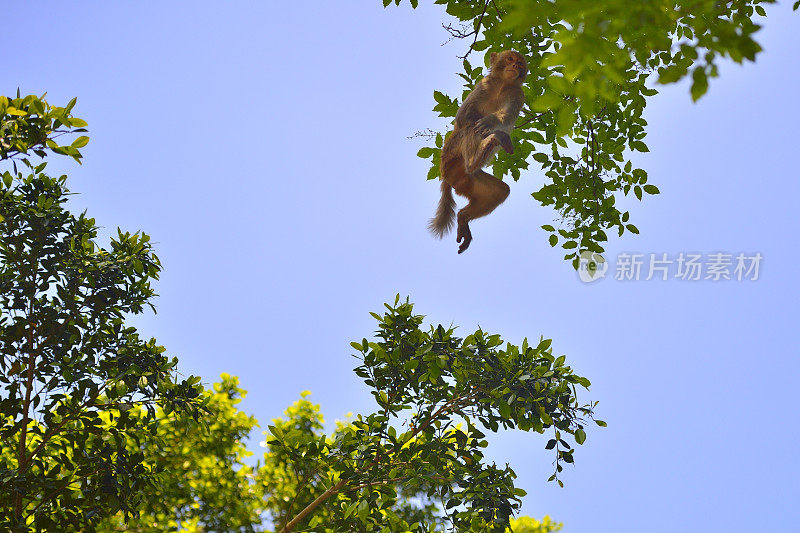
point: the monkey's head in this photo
(509, 65)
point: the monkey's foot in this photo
(463, 234)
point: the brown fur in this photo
(482, 126)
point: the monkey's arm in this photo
(504, 118)
(469, 113)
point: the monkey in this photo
(481, 128)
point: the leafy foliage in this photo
(203, 483)
(71, 370)
(436, 394)
(592, 65)
(526, 524)
(30, 124)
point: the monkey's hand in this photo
(487, 125)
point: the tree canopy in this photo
(435, 394)
(71, 368)
(207, 485)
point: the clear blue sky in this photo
(263, 146)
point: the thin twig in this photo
(22, 460)
(531, 119)
(426, 134)
(477, 30)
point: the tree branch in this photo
(335, 489)
(477, 30)
(23, 438)
(313, 505)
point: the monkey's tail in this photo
(442, 221)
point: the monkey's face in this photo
(511, 65)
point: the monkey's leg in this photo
(487, 193)
(454, 173)
(488, 147)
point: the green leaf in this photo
(699, 83)
(600, 423)
(651, 189)
(544, 344)
(565, 119)
(80, 142)
(363, 510)
(549, 100)
(559, 84)
(504, 409)
(425, 152)
(580, 436)
(672, 73)
(553, 240)
(38, 107)
(483, 44)
(440, 97)
(433, 172)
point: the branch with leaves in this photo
(436, 396)
(31, 125)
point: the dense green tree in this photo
(71, 369)
(204, 482)
(435, 396)
(593, 66)
(206, 485)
